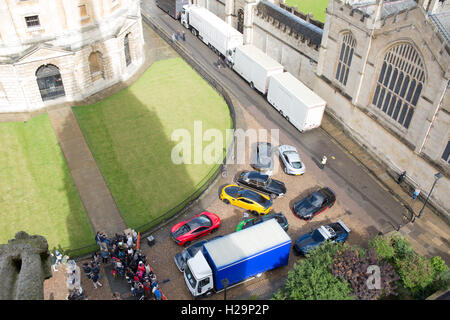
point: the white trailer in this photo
(254, 66)
(295, 101)
(212, 30)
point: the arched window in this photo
(49, 82)
(400, 83)
(96, 65)
(126, 48)
(345, 58)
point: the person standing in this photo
(416, 194)
(183, 36)
(173, 37)
(324, 161)
(401, 177)
(95, 278)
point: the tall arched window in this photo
(345, 58)
(96, 65)
(126, 48)
(49, 82)
(400, 83)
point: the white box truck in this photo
(295, 101)
(254, 66)
(213, 31)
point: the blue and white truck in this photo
(237, 257)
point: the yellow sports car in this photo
(250, 200)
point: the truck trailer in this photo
(213, 31)
(237, 257)
(172, 7)
(295, 101)
(254, 66)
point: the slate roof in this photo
(390, 7)
(442, 22)
(296, 24)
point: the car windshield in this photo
(317, 236)
(296, 165)
(200, 221)
(316, 199)
(182, 230)
(190, 277)
(192, 250)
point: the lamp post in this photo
(437, 176)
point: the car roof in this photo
(252, 195)
(255, 175)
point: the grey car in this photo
(291, 160)
(262, 157)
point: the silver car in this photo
(261, 158)
(291, 160)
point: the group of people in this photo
(178, 36)
(127, 261)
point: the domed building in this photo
(55, 51)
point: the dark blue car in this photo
(310, 206)
(335, 232)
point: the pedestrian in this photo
(105, 255)
(87, 270)
(173, 37)
(245, 216)
(95, 278)
(116, 296)
(416, 194)
(401, 177)
(178, 35)
(324, 161)
(184, 36)
(157, 293)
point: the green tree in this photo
(312, 279)
(415, 271)
(382, 247)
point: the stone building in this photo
(382, 66)
(384, 70)
(54, 51)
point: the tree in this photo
(369, 277)
(382, 247)
(311, 278)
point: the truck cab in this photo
(230, 57)
(198, 276)
(184, 17)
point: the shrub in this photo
(415, 271)
(311, 278)
(382, 247)
(357, 269)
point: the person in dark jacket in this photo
(87, 270)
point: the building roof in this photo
(390, 7)
(296, 24)
(442, 22)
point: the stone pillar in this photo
(249, 13)
(229, 11)
(24, 265)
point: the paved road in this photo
(355, 188)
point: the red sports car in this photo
(200, 225)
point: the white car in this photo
(291, 160)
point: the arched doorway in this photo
(50, 82)
(96, 66)
(126, 47)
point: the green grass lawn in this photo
(129, 134)
(37, 193)
(316, 7)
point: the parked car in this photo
(262, 182)
(250, 200)
(199, 226)
(182, 257)
(244, 224)
(335, 232)
(291, 160)
(315, 203)
(261, 158)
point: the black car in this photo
(262, 157)
(281, 219)
(315, 203)
(262, 182)
(182, 257)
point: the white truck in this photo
(213, 31)
(295, 101)
(254, 66)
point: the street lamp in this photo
(437, 176)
